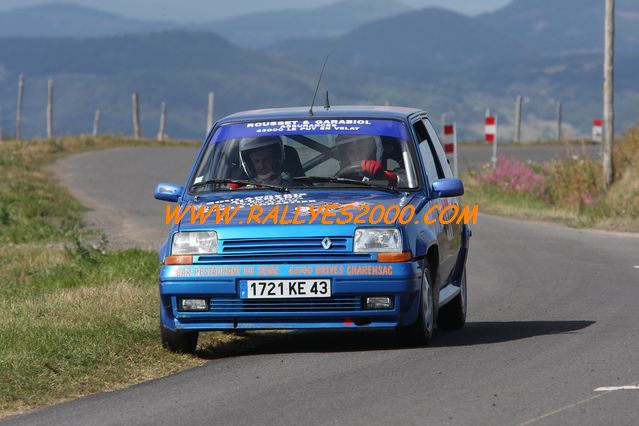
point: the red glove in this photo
(373, 169)
(392, 178)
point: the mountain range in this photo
(59, 20)
(545, 50)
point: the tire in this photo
(421, 331)
(452, 316)
(183, 342)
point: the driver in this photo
(262, 160)
(363, 150)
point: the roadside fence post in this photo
(162, 132)
(19, 109)
(96, 122)
(210, 110)
(135, 100)
(49, 109)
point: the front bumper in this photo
(350, 283)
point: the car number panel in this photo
(285, 288)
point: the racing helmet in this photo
(272, 143)
(369, 147)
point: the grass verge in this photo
(77, 318)
(567, 191)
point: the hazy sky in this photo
(207, 10)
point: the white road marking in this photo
(636, 266)
(614, 388)
(559, 410)
(603, 390)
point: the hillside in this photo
(566, 26)
(182, 68)
(418, 44)
(177, 67)
(70, 20)
(264, 28)
(252, 29)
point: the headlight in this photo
(194, 243)
(379, 240)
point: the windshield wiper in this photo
(240, 182)
(330, 179)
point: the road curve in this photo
(553, 316)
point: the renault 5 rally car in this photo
(314, 221)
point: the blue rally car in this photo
(255, 269)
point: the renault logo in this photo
(327, 243)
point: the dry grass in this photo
(76, 318)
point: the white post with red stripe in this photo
(597, 129)
(450, 143)
(490, 135)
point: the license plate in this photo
(284, 289)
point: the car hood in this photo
(287, 205)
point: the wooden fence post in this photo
(559, 114)
(162, 132)
(96, 122)
(135, 100)
(49, 109)
(19, 110)
(209, 114)
(518, 119)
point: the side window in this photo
(425, 151)
(439, 151)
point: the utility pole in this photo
(162, 132)
(609, 88)
(135, 101)
(209, 114)
(49, 109)
(19, 110)
(518, 119)
(558, 121)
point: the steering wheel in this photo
(354, 171)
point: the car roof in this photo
(319, 112)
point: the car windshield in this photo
(354, 153)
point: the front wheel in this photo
(179, 341)
(452, 316)
(421, 331)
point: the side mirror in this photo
(168, 192)
(448, 188)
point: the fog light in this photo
(378, 302)
(193, 305)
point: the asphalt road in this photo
(552, 316)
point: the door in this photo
(433, 172)
(453, 230)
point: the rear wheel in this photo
(421, 331)
(179, 341)
(452, 316)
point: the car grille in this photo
(333, 304)
(311, 245)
